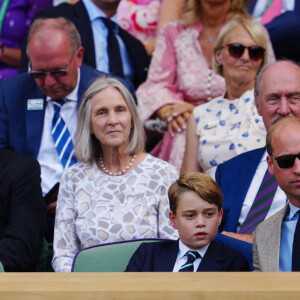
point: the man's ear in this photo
(79, 56)
(172, 218)
(270, 165)
(257, 104)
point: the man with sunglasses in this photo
(28, 101)
(242, 178)
(276, 242)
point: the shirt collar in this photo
(183, 249)
(292, 211)
(264, 157)
(95, 12)
(73, 96)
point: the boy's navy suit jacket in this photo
(161, 257)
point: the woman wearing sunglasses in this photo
(229, 125)
(180, 76)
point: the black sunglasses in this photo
(54, 73)
(236, 50)
(286, 161)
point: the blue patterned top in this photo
(227, 128)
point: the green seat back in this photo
(1, 268)
(107, 257)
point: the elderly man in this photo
(276, 243)
(108, 47)
(36, 107)
(250, 193)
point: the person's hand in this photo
(243, 237)
(176, 115)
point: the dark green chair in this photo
(112, 257)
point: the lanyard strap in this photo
(2, 13)
(266, 6)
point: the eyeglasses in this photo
(286, 161)
(54, 73)
(237, 50)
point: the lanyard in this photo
(2, 13)
(266, 6)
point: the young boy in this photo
(196, 212)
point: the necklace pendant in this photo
(212, 39)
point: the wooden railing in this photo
(73, 286)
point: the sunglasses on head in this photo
(286, 161)
(236, 50)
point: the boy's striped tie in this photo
(189, 265)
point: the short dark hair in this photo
(202, 184)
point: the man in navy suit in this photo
(277, 94)
(22, 211)
(87, 16)
(27, 100)
(196, 212)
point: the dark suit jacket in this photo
(22, 211)
(77, 13)
(161, 257)
(284, 32)
(21, 129)
(234, 178)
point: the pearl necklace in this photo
(118, 173)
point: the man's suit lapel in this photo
(166, 257)
(33, 117)
(213, 259)
(83, 25)
(138, 56)
(271, 249)
(244, 178)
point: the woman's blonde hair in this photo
(256, 32)
(192, 12)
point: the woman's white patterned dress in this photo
(95, 208)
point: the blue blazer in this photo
(20, 128)
(161, 257)
(234, 178)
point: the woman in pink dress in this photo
(180, 75)
(143, 18)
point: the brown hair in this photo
(201, 184)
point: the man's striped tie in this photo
(261, 204)
(61, 136)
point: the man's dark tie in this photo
(296, 247)
(189, 265)
(113, 49)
